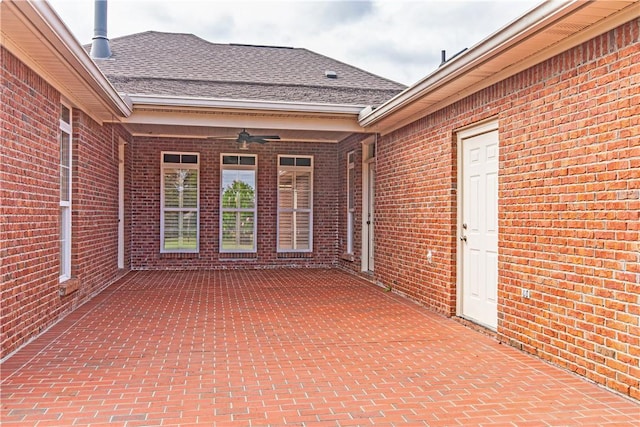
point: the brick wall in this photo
(415, 212)
(570, 203)
(351, 263)
(30, 203)
(146, 205)
(569, 189)
(30, 194)
(95, 203)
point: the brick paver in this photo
(283, 347)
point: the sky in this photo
(401, 40)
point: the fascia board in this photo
(482, 52)
(42, 17)
(181, 117)
(567, 43)
(169, 102)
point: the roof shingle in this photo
(171, 64)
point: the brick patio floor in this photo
(283, 347)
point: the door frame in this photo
(369, 147)
(121, 210)
(475, 129)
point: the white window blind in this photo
(65, 192)
(295, 204)
(180, 195)
(351, 176)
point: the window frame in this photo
(164, 209)
(294, 168)
(351, 203)
(65, 220)
(238, 166)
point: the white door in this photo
(121, 146)
(368, 205)
(478, 236)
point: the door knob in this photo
(463, 238)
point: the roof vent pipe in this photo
(100, 46)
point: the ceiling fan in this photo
(245, 138)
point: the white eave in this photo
(239, 104)
(547, 30)
(35, 34)
(172, 116)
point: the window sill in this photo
(179, 255)
(237, 256)
(294, 255)
(69, 286)
(348, 257)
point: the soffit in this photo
(36, 35)
(528, 41)
(306, 124)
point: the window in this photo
(180, 202)
(65, 193)
(238, 205)
(295, 204)
(351, 176)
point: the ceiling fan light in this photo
(244, 146)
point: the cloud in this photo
(397, 39)
(333, 13)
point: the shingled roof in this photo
(171, 64)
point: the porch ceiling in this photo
(231, 132)
(223, 119)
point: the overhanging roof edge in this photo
(240, 104)
(43, 16)
(490, 47)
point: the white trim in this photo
(65, 212)
(488, 48)
(241, 104)
(369, 147)
(496, 46)
(351, 209)
(191, 166)
(295, 209)
(253, 168)
(46, 25)
(478, 128)
(121, 210)
(472, 130)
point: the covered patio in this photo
(282, 347)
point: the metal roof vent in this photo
(331, 74)
(100, 46)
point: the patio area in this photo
(283, 347)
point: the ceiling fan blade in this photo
(264, 137)
(235, 137)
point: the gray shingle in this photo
(171, 64)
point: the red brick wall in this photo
(415, 212)
(569, 225)
(95, 202)
(570, 203)
(30, 194)
(146, 205)
(352, 263)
